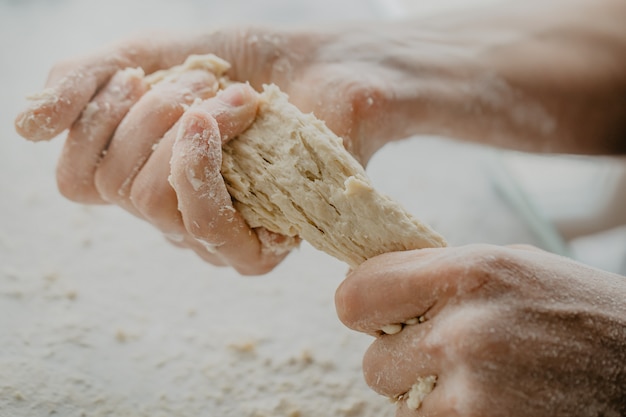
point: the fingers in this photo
(395, 287)
(89, 136)
(144, 125)
(72, 84)
(152, 194)
(388, 289)
(55, 108)
(460, 334)
(411, 368)
(426, 367)
(393, 363)
(203, 200)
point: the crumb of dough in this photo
(419, 391)
(51, 276)
(415, 320)
(210, 63)
(307, 357)
(276, 244)
(247, 347)
(121, 336)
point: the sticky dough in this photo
(290, 174)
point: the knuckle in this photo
(364, 104)
(486, 267)
(366, 99)
(470, 335)
(496, 258)
(266, 59)
(61, 68)
(446, 339)
(185, 87)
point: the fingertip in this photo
(196, 125)
(252, 270)
(387, 289)
(89, 135)
(238, 94)
(347, 303)
(36, 122)
(54, 109)
(200, 118)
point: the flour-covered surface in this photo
(99, 316)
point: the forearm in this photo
(542, 77)
(539, 76)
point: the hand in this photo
(167, 171)
(509, 331)
(195, 209)
(121, 132)
(322, 71)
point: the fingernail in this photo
(232, 95)
(392, 328)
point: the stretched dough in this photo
(291, 174)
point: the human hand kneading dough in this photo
(491, 331)
(121, 129)
(506, 331)
(198, 200)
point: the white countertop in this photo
(100, 316)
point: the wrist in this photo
(419, 83)
(404, 80)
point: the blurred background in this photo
(100, 316)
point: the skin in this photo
(509, 331)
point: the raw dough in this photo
(419, 391)
(292, 175)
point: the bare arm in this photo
(537, 76)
